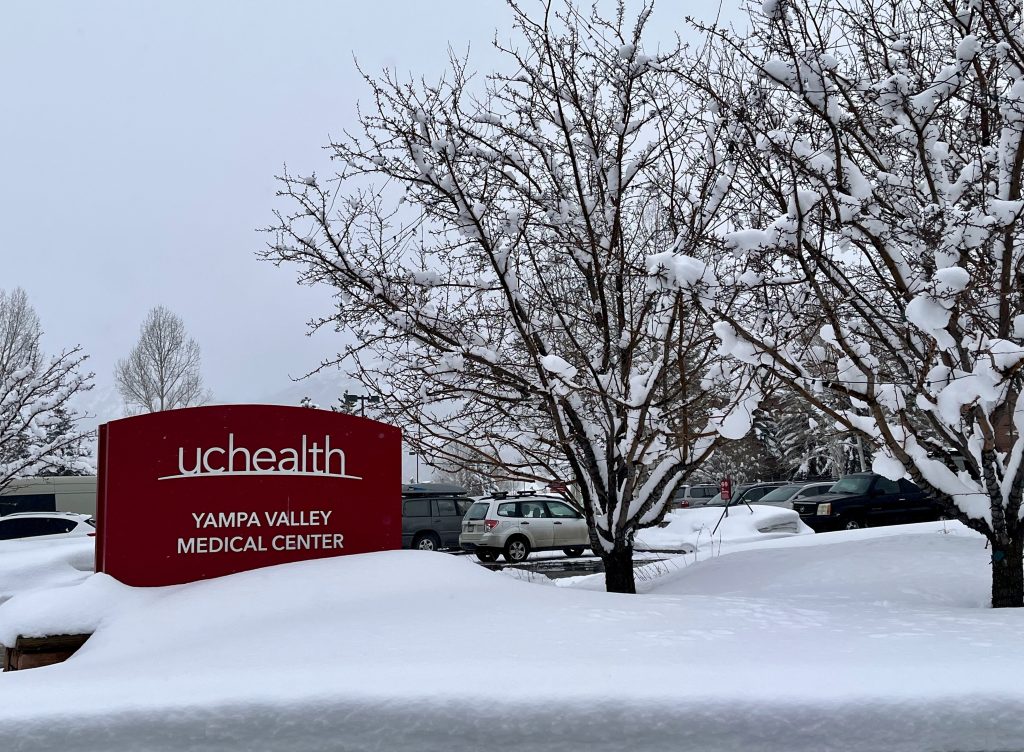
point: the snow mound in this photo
(804, 644)
(29, 565)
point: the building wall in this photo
(71, 493)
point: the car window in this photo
(26, 527)
(57, 525)
(703, 492)
(780, 494)
(417, 508)
(813, 490)
(446, 507)
(755, 493)
(478, 511)
(558, 509)
(887, 486)
(852, 484)
(907, 487)
(463, 505)
(508, 509)
(533, 509)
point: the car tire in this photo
(573, 551)
(854, 524)
(427, 542)
(487, 556)
(517, 550)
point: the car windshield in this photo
(478, 511)
(781, 494)
(852, 484)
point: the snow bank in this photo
(815, 642)
(28, 565)
(690, 529)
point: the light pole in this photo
(362, 399)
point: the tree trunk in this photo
(618, 570)
(1008, 572)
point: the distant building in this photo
(58, 493)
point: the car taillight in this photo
(491, 524)
(824, 509)
(684, 504)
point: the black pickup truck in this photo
(867, 500)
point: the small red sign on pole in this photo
(184, 495)
(726, 489)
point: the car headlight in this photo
(824, 509)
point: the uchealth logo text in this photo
(317, 458)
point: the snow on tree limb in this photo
(506, 302)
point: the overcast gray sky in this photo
(138, 146)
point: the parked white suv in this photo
(515, 526)
(45, 525)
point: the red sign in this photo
(726, 489)
(188, 494)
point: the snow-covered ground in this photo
(871, 640)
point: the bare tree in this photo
(38, 426)
(883, 147)
(519, 303)
(162, 372)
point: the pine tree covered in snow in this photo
(881, 147)
(521, 301)
(38, 427)
(811, 445)
(71, 452)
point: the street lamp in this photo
(362, 399)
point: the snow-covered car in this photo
(518, 525)
(689, 530)
(43, 525)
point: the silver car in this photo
(518, 525)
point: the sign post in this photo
(726, 489)
(201, 492)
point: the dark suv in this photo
(432, 515)
(866, 500)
